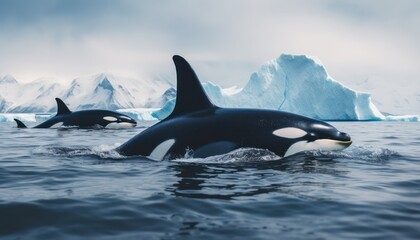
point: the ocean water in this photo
(69, 184)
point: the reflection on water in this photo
(225, 181)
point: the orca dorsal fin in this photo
(61, 107)
(190, 95)
(19, 123)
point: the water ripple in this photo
(55, 186)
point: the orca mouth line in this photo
(338, 142)
(345, 143)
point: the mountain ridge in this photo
(103, 91)
(293, 83)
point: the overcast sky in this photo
(224, 40)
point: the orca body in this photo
(197, 127)
(85, 119)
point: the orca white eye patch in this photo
(289, 132)
(111, 119)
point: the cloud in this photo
(225, 40)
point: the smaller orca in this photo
(84, 119)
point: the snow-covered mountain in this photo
(101, 91)
(106, 91)
(3, 104)
(7, 79)
(35, 97)
(8, 89)
(298, 84)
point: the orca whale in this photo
(198, 128)
(84, 119)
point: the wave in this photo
(101, 151)
(242, 155)
(253, 155)
(366, 153)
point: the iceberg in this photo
(403, 118)
(301, 85)
(140, 114)
(297, 84)
(165, 110)
(310, 91)
(25, 117)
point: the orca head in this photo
(313, 135)
(118, 121)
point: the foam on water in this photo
(242, 155)
(367, 153)
(253, 155)
(237, 156)
(101, 151)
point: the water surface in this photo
(69, 184)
